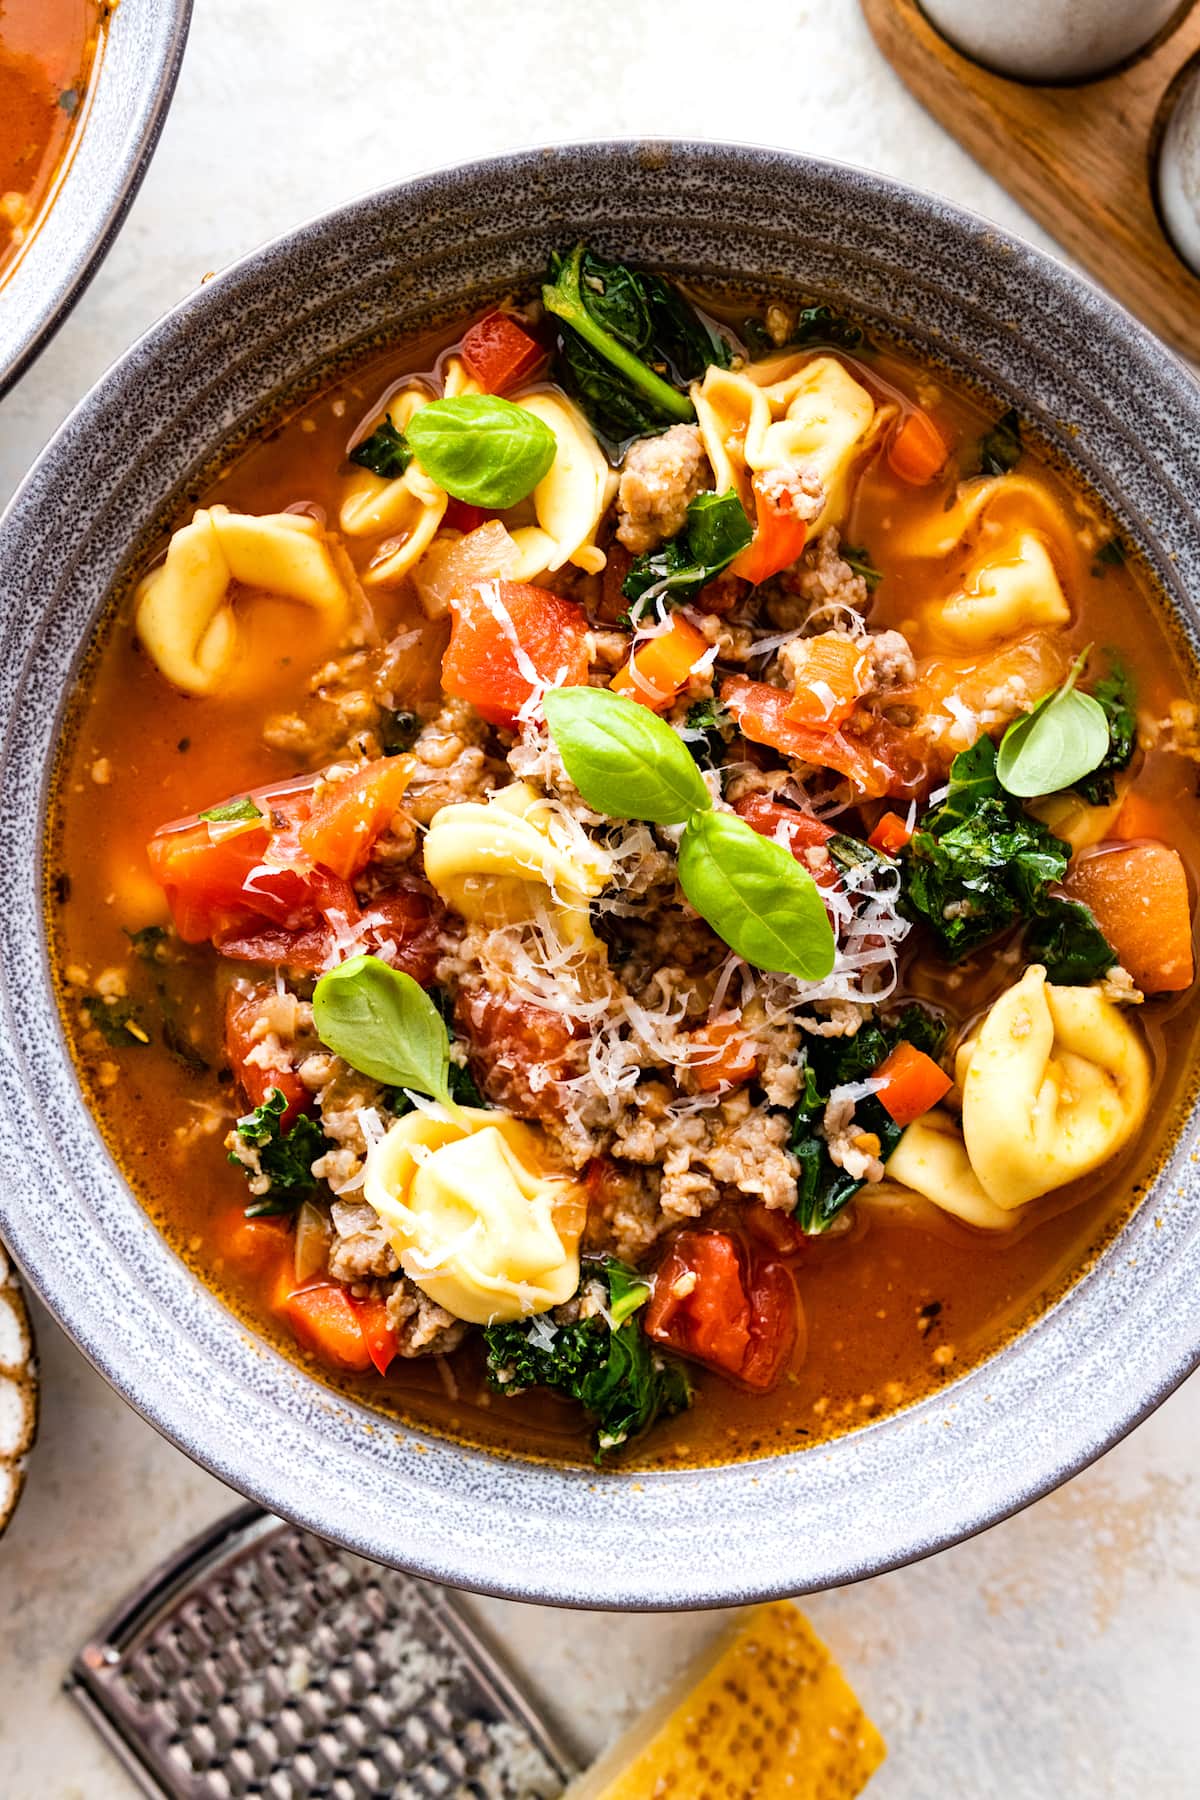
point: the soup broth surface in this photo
(47, 48)
(897, 1299)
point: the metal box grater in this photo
(265, 1662)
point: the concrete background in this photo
(1057, 1655)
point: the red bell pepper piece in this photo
(499, 353)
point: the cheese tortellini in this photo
(513, 858)
(476, 1215)
(574, 494)
(182, 609)
(406, 512)
(815, 417)
(1054, 1083)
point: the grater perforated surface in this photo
(265, 1663)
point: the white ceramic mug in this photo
(1179, 172)
(1049, 40)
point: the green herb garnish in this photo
(613, 1372)
(717, 530)
(1053, 747)
(1000, 449)
(386, 452)
(482, 449)
(1068, 942)
(859, 560)
(704, 733)
(624, 761)
(1115, 693)
(147, 942)
(117, 1021)
(285, 1156)
(386, 1026)
(232, 812)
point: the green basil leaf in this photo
(232, 811)
(482, 449)
(384, 1025)
(624, 761)
(756, 896)
(1063, 739)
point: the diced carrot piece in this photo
(918, 450)
(734, 1061)
(255, 1245)
(779, 532)
(912, 1083)
(660, 666)
(499, 353)
(348, 817)
(1139, 896)
(504, 631)
(325, 1321)
(830, 673)
(379, 1334)
(761, 712)
(1138, 818)
(890, 835)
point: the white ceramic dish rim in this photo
(1081, 1377)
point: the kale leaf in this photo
(385, 452)
(1000, 449)
(628, 343)
(117, 1021)
(1116, 695)
(717, 530)
(285, 1156)
(822, 1188)
(978, 863)
(612, 1371)
(1068, 941)
(817, 324)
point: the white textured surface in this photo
(1053, 1658)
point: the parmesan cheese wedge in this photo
(762, 1714)
(18, 1389)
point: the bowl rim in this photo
(1153, 1362)
(78, 258)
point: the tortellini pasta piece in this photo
(478, 1218)
(816, 417)
(1055, 1082)
(574, 494)
(1003, 595)
(514, 857)
(406, 511)
(931, 1159)
(182, 609)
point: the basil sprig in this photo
(384, 1025)
(482, 449)
(1063, 739)
(755, 895)
(624, 761)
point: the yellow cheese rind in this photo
(764, 1713)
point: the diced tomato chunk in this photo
(347, 817)
(708, 1304)
(518, 1050)
(502, 632)
(761, 712)
(326, 1321)
(912, 1083)
(379, 1334)
(799, 831)
(460, 516)
(257, 1080)
(500, 353)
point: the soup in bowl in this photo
(618, 884)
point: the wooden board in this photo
(1080, 159)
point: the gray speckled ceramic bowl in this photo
(131, 90)
(1099, 386)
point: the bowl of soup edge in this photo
(1104, 394)
(126, 104)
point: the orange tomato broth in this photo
(893, 1309)
(47, 49)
